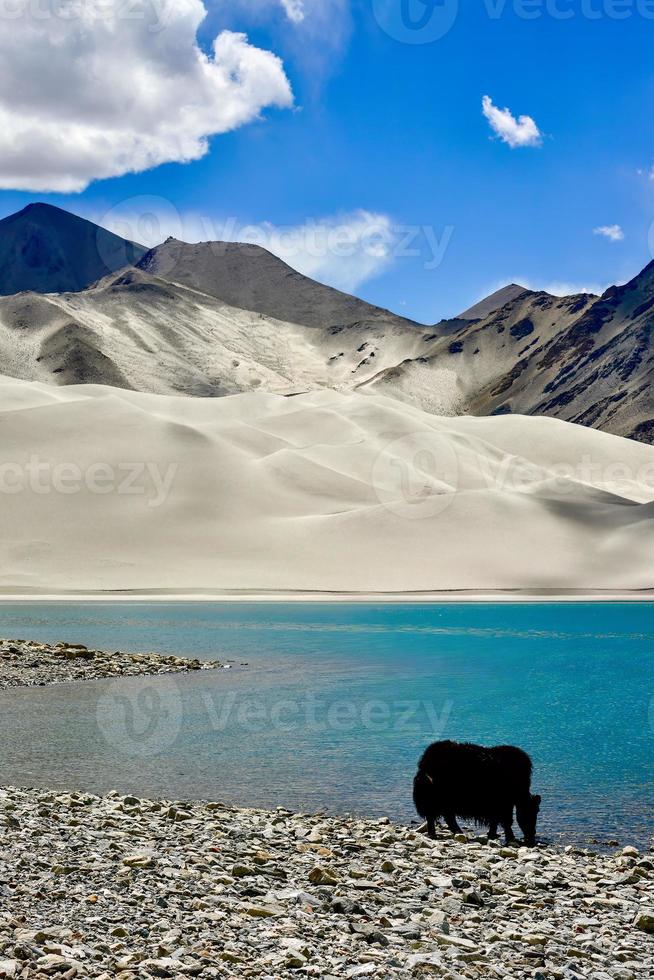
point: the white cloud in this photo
(558, 288)
(314, 33)
(100, 88)
(343, 250)
(294, 10)
(613, 232)
(515, 132)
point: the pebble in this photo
(645, 920)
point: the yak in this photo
(459, 779)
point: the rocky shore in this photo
(26, 663)
(122, 887)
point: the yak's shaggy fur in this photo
(459, 779)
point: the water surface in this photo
(338, 700)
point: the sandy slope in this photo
(494, 365)
(136, 331)
(324, 491)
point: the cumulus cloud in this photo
(343, 250)
(514, 132)
(614, 233)
(100, 88)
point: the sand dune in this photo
(104, 489)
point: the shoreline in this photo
(114, 885)
(391, 598)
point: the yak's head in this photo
(527, 815)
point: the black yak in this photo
(459, 779)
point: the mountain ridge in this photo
(250, 277)
(583, 359)
(489, 304)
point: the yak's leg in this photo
(431, 827)
(450, 820)
(492, 830)
(507, 827)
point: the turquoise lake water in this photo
(337, 701)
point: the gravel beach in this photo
(26, 663)
(121, 887)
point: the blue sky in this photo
(386, 141)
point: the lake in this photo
(328, 705)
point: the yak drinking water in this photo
(459, 779)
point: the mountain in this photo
(329, 492)
(46, 250)
(251, 278)
(493, 302)
(134, 330)
(220, 319)
(584, 359)
(476, 369)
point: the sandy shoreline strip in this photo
(435, 598)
